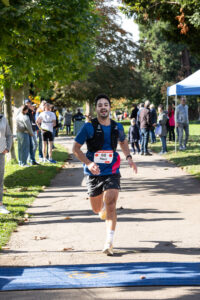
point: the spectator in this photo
(153, 115)
(33, 139)
(5, 146)
(78, 116)
(140, 107)
(39, 134)
(67, 121)
(145, 125)
(55, 128)
(182, 120)
(24, 130)
(78, 121)
(134, 112)
(134, 136)
(162, 120)
(171, 123)
(46, 121)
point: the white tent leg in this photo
(175, 124)
(167, 103)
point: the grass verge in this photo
(189, 159)
(21, 186)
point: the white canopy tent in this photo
(188, 86)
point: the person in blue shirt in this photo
(102, 163)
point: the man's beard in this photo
(102, 116)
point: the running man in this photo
(102, 163)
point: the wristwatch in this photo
(128, 156)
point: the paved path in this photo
(158, 220)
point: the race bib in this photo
(103, 157)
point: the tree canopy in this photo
(46, 40)
(183, 16)
(115, 70)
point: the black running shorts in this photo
(47, 136)
(98, 184)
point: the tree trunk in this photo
(89, 108)
(185, 63)
(8, 114)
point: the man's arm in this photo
(126, 151)
(54, 123)
(94, 168)
(38, 122)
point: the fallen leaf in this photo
(38, 238)
(67, 249)
(21, 222)
(67, 218)
(40, 171)
(142, 277)
(49, 262)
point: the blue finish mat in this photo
(101, 275)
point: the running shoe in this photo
(108, 250)
(3, 210)
(102, 213)
(52, 161)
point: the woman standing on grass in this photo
(5, 146)
(162, 120)
(24, 130)
(171, 123)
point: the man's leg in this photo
(147, 140)
(142, 141)
(25, 149)
(50, 149)
(2, 167)
(97, 203)
(31, 155)
(44, 150)
(146, 137)
(186, 129)
(180, 135)
(110, 199)
(19, 142)
(40, 144)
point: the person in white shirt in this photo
(46, 121)
(5, 146)
(182, 123)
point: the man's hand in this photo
(5, 151)
(177, 124)
(132, 165)
(94, 168)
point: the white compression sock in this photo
(110, 237)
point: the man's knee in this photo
(110, 199)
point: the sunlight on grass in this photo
(21, 186)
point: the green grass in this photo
(21, 186)
(189, 160)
